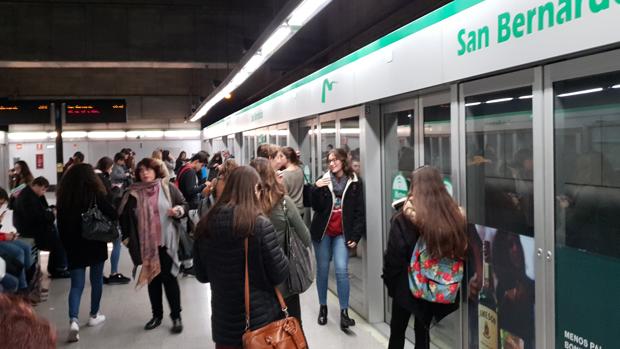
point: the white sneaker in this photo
(74, 332)
(94, 321)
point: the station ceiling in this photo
(175, 49)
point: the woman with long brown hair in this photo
(429, 213)
(79, 190)
(283, 214)
(293, 177)
(224, 172)
(337, 225)
(219, 259)
(151, 210)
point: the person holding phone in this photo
(338, 224)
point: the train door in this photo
(341, 129)
(582, 201)
(504, 277)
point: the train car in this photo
(518, 104)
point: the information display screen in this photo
(95, 111)
(24, 112)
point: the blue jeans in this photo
(78, 278)
(23, 253)
(116, 255)
(9, 283)
(326, 249)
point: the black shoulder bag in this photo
(96, 226)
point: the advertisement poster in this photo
(39, 161)
(501, 290)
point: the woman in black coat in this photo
(338, 225)
(428, 213)
(219, 259)
(80, 189)
(150, 216)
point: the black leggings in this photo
(398, 326)
(171, 286)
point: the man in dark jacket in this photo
(34, 219)
(187, 179)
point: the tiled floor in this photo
(128, 309)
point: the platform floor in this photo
(127, 310)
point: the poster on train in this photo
(500, 290)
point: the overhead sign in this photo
(95, 111)
(24, 112)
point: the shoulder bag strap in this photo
(247, 288)
(247, 292)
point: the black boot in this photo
(177, 325)
(345, 320)
(322, 315)
(153, 323)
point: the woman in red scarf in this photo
(150, 214)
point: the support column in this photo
(58, 111)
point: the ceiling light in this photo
(616, 86)
(27, 136)
(106, 134)
(145, 134)
(298, 17)
(306, 10)
(472, 104)
(349, 131)
(499, 100)
(228, 96)
(74, 134)
(582, 92)
(254, 63)
(275, 40)
(526, 97)
(182, 134)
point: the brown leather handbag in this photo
(281, 334)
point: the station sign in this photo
(24, 112)
(95, 111)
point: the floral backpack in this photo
(434, 280)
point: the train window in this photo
(437, 140)
(500, 208)
(350, 140)
(328, 141)
(587, 163)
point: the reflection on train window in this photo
(328, 141)
(350, 141)
(437, 138)
(499, 160)
(587, 163)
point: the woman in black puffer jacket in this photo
(219, 259)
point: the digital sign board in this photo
(95, 111)
(24, 112)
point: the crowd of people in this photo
(225, 223)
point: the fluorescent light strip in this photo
(473, 104)
(582, 92)
(182, 134)
(499, 100)
(306, 10)
(28, 136)
(74, 134)
(526, 97)
(616, 86)
(275, 41)
(145, 134)
(298, 17)
(106, 134)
